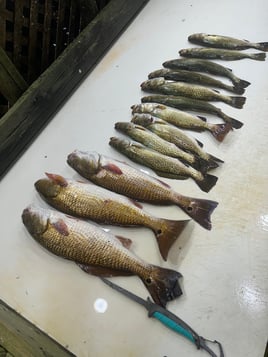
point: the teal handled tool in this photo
(169, 319)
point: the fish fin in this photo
(202, 118)
(163, 183)
(219, 131)
(170, 175)
(237, 89)
(241, 83)
(200, 211)
(113, 168)
(61, 227)
(160, 106)
(237, 102)
(199, 143)
(207, 183)
(167, 233)
(214, 158)
(263, 46)
(236, 123)
(136, 203)
(203, 165)
(163, 285)
(216, 91)
(126, 242)
(258, 56)
(59, 180)
(102, 271)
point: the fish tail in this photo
(258, 56)
(163, 285)
(263, 46)
(240, 83)
(237, 89)
(207, 182)
(203, 165)
(199, 210)
(167, 233)
(219, 131)
(214, 158)
(237, 102)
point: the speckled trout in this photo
(98, 252)
(180, 118)
(174, 135)
(221, 54)
(85, 200)
(154, 142)
(193, 77)
(162, 165)
(162, 86)
(122, 178)
(203, 65)
(197, 105)
(226, 42)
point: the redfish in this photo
(136, 184)
(85, 200)
(98, 252)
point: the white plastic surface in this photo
(225, 271)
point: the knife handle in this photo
(175, 326)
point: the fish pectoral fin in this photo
(126, 242)
(102, 271)
(113, 168)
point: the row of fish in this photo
(112, 197)
(116, 189)
(183, 85)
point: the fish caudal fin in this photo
(241, 83)
(237, 102)
(237, 89)
(219, 131)
(236, 123)
(263, 46)
(207, 183)
(204, 166)
(167, 233)
(200, 211)
(258, 56)
(163, 285)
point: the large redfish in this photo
(89, 201)
(98, 252)
(129, 181)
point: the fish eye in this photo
(189, 208)
(159, 231)
(148, 281)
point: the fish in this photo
(226, 42)
(125, 179)
(222, 54)
(98, 252)
(206, 66)
(162, 86)
(184, 103)
(193, 77)
(88, 201)
(182, 119)
(154, 142)
(176, 136)
(162, 165)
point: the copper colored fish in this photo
(129, 181)
(89, 201)
(98, 252)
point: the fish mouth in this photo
(35, 220)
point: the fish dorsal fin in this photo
(202, 118)
(61, 227)
(113, 168)
(199, 143)
(126, 242)
(59, 180)
(102, 271)
(217, 91)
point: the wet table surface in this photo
(225, 270)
